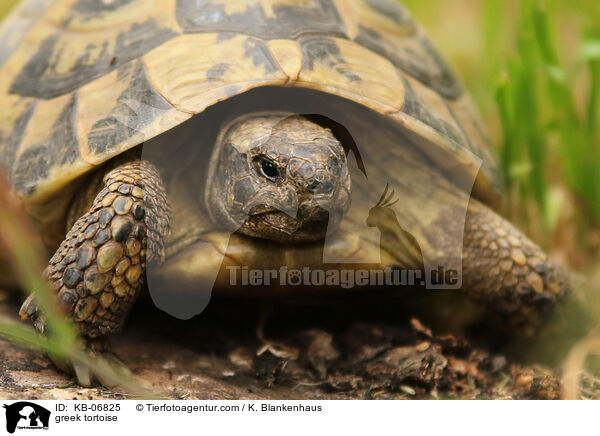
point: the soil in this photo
(333, 351)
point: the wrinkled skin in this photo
(279, 177)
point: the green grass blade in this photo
(508, 151)
(23, 251)
(591, 54)
(25, 258)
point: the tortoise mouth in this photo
(264, 209)
(273, 224)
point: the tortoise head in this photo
(278, 176)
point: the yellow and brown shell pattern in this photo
(83, 80)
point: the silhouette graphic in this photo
(394, 239)
(30, 413)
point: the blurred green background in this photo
(6, 6)
(533, 67)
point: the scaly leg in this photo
(507, 271)
(98, 270)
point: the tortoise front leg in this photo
(98, 270)
(507, 271)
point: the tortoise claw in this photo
(82, 373)
(91, 366)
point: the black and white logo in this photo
(26, 415)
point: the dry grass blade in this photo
(574, 368)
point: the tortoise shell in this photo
(71, 72)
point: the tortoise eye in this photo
(268, 168)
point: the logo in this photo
(26, 415)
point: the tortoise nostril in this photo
(313, 186)
(320, 187)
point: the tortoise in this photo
(193, 138)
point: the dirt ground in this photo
(333, 351)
